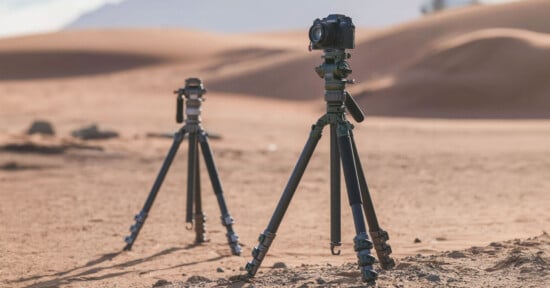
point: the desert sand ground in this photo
(465, 178)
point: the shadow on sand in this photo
(65, 277)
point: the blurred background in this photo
(409, 53)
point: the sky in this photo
(34, 16)
(19, 17)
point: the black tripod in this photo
(334, 70)
(193, 92)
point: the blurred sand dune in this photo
(493, 73)
(478, 62)
(489, 62)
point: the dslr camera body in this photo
(336, 31)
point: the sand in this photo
(462, 184)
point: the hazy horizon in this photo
(55, 15)
(213, 15)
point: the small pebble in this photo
(280, 265)
(161, 283)
(433, 278)
(457, 254)
(198, 279)
(320, 281)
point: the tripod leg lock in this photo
(380, 235)
(200, 228)
(140, 217)
(365, 258)
(134, 229)
(259, 252)
(227, 220)
(233, 241)
(383, 249)
(232, 237)
(363, 245)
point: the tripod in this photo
(342, 148)
(193, 93)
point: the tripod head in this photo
(334, 70)
(334, 34)
(193, 93)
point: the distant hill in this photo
(243, 15)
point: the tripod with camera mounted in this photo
(334, 34)
(193, 96)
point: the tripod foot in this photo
(259, 252)
(333, 246)
(189, 226)
(232, 237)
(362, 245)
(134, 229)
(383, 249)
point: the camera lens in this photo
(317, 33)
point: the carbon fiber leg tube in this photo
(200, 217)
(226, 218)
(191, 175)
(266, 238)
(362, 245)
(379, 236)
(142, 215)
(335, 203)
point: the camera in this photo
(333, 32)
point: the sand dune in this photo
(94, 52)
(395, 48)
(167, 43)
(474, 62)
(493, 73)
(84, 52)
(400, 70)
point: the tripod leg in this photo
(226, 218)
(362, 245)
(379, 236)
(200, 217)
(142, 215)
(191, 176)
(335, 206)
(266, 238)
